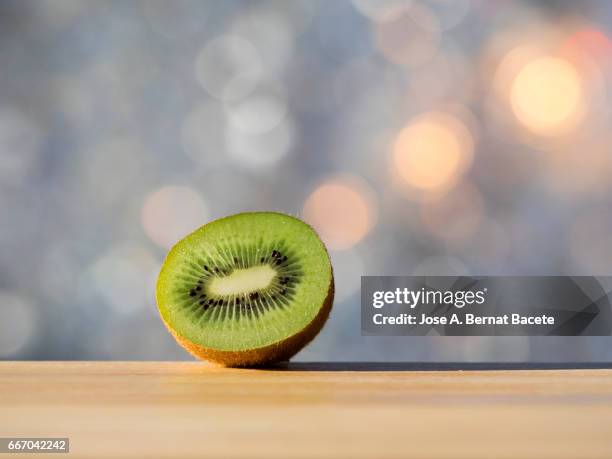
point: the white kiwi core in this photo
(241, 281)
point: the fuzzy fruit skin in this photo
(273, 353)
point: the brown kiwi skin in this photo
(263, 356)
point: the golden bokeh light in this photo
(342, 210)
(172, 212)
(432, 152)
(591, 41)
(547, 96)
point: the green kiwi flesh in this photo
(248, 289)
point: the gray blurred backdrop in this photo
(418, 137)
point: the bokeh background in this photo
(418, 137)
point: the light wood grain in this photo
(164, 409)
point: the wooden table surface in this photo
(191, 409)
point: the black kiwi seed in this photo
(216, 270)
(202, 303)
(262, 260)
(206, 267)
(198, 288)
(285, 258)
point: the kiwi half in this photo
(245, 290)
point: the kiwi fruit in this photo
(250, 289)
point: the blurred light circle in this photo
(257, 114)
(172, 212)
(19, 147)
(18, 324)
(259, 151)
(342, 210)
(547, 96)
(510, 59)
(589, 40)
(271, 31)
(432, 152)
(381, 10)
(121, 276)
(404, 42)
(229, 67)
